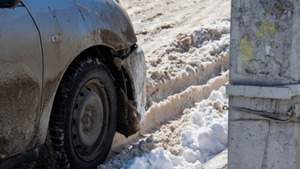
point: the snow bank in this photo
(174, 105)
(192, 59)
(189, 142)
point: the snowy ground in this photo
(186, 44)
(187, 142)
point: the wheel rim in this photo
(90, 120)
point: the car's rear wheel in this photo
(83, 119)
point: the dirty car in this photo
(71, 75)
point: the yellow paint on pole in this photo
(246, 53)
(246, 48)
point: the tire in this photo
(84, 115)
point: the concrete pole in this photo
(264, 90)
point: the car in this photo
(71, 76)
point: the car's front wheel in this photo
(83, 119)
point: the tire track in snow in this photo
(192, 59)
(172, 107)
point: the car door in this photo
(21, 73)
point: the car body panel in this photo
(20, 81)
(133, 110)
(78, 26)
(135, 64)
(111, 23)
(58, 54)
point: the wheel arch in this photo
(123, 82)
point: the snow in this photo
(184, 62)
(186, 45)
(188, 142)
(155, 159)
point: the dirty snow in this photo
(188, 142)
(186, 45)
(188, 60)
